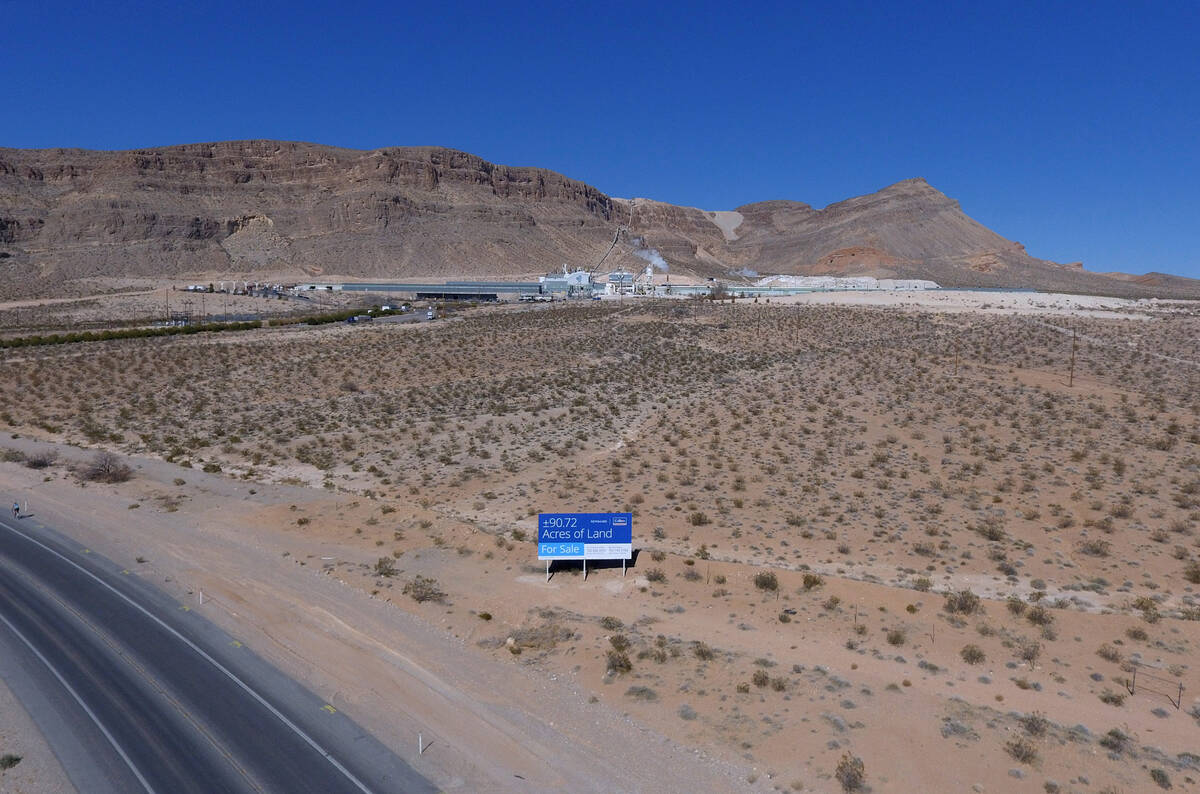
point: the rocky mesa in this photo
(271, 210)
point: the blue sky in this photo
(1071, 127)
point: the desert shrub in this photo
(1035, 724)
(1136, 633)
(812, 580)
(963, 602)
(766, 580)
(617, 662)
(609, 623)
(760, 678)
(692, 575)
(1109, 653)
(1114, 740)
(1160, 777)
(106, 467)
(703, 651)
(1022, 750)
(699, 519)
(896, 637)
(1112, 698)
(1192, 572)
(385, 566)
(641, 693)
(8, 761)
(619, 642)
(1028, 650)
(851, 772)
(1095, 547)
(923, 584)
(656, 575)
(1016, 605)
(972, 654)
(423, 589)
(41, 460)
(1039, 616)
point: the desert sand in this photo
(912, 535)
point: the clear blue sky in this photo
(1071, 127)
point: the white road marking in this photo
(111, 739)
(311, 742)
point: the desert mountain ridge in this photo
(288, 211)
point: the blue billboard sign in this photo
(585, 536)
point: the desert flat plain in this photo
(894, 542)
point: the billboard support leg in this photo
(547, 570)
(622, 566)
(585, 569)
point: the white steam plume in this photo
(652, 256)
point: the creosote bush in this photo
(851, 772)
(1035, 724)
(617, 662)
(972, 654)
(963, 602)
(106, 467)
(766, 580)
(1022, 750)
(423, 589)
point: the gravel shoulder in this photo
(487, 726)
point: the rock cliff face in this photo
(270, 210)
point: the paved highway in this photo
(137, 692)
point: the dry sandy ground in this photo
(488, 727)
(38, 770)
(873, 462)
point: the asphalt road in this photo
(137, 692)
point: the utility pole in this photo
(1072, 381)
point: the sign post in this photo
(585, 536)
